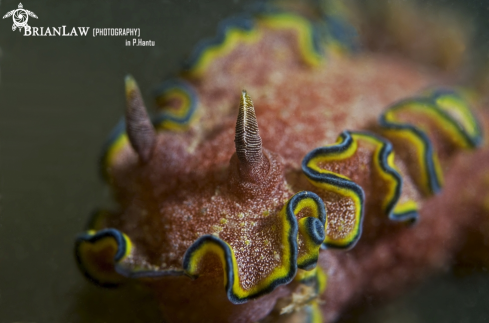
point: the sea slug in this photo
(287, 172)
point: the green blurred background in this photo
(59, 99)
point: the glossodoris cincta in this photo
(286, 173)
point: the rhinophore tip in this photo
(247, 139)
(138, 125)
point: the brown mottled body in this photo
(195, 184)
(191, 187)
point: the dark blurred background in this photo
(59, 99)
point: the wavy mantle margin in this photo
(449, 113)
(101, 254)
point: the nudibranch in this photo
(285, 173)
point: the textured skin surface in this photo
(305, 124)
(193, 185)
(399, 257)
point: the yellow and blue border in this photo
(93, 241)
(432, 178)
(243, 28)
(337, 183)
(115, 142)
(465, 132)
(385, 165)
(309, 37)
(180, 118)
(230, 32)
(383, 162)
(281, 274)
(469, 128)
(312, 228)
(121, 245)
(406, 212)
(237, 294)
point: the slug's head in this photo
(200, 207)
